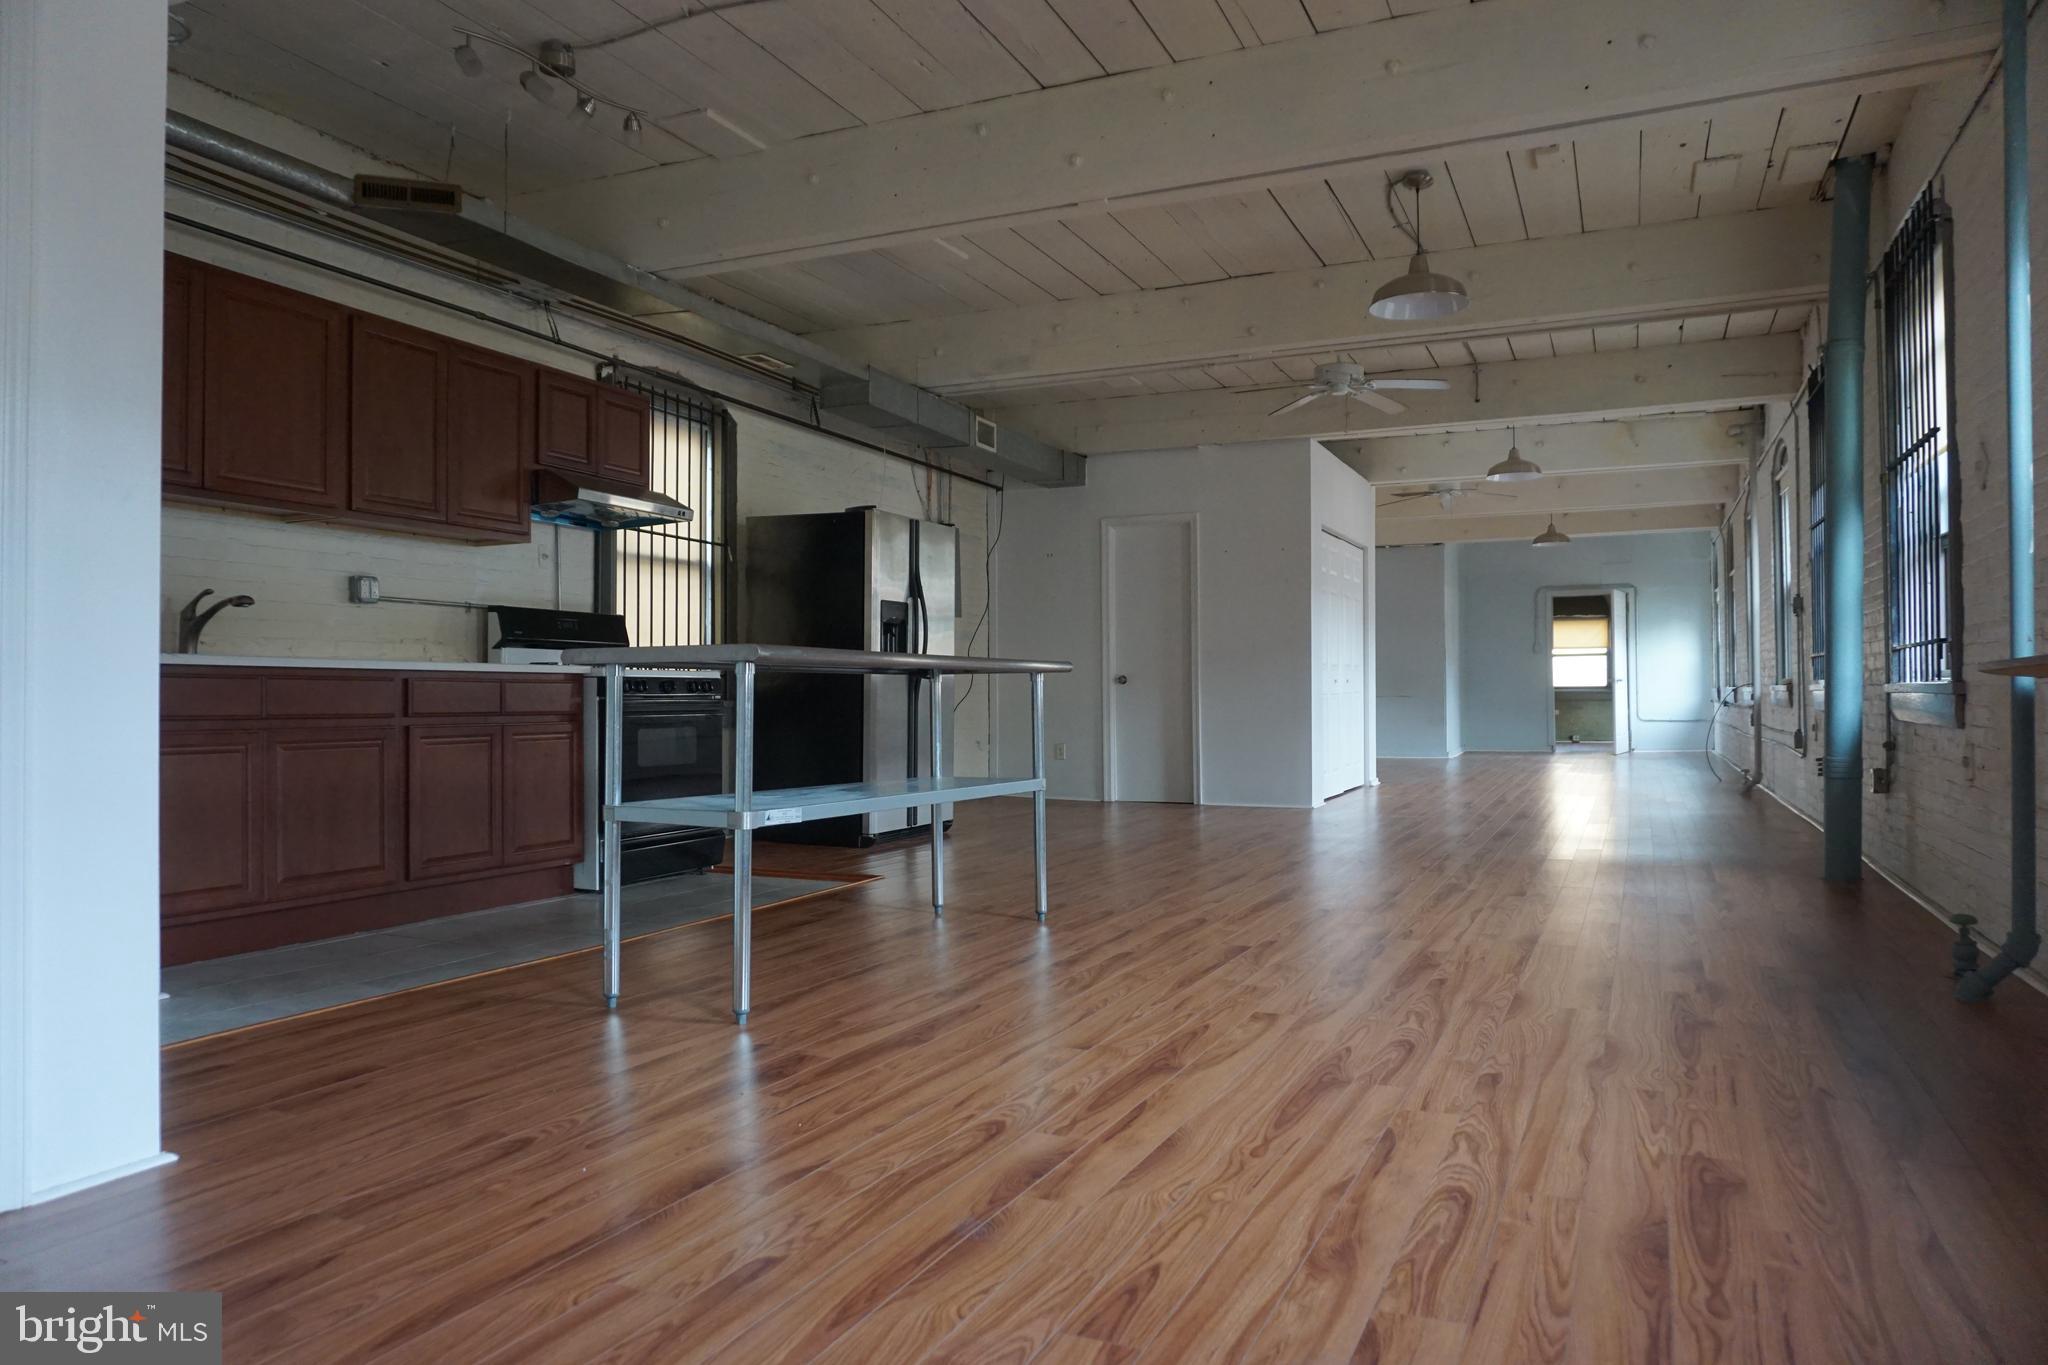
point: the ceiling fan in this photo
(1346, 380)
(1446, 494)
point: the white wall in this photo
(1415, 617)
(81, 171)
(1254, 512)
(1341, 502)
(1504, 646)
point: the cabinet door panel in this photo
(622, 429)
(490, 440)
(274, 419)
(183, 310)
(453, 781)
(337, 803)
(398, 447)
(568, 423)
(210, 812)
(543, 794)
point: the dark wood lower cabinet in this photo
(300, 804)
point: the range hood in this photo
(593, 505)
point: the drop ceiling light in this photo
(1421, 294)
(1514, 468)
(1550, 535)
(549, 71)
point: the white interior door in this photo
(1620, 666)
(1339, 627)
(1148, 568)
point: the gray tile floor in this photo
(252, 988)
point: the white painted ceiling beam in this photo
(1606, 491)
(1408, 91)
(1703, 265)
(1707, 377)
(1693, 439)
(1525, 526)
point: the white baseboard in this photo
(148, 1163)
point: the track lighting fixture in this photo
(548, 73)
(1420, 295)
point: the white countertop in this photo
(383, 665)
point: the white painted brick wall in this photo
(1944, 828)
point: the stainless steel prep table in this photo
(743, 810)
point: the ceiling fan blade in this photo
(1373, 400)
(1311, 396)
(1431, 385)
(1403, 497)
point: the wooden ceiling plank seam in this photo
(1189, 28)
(999, 275)
(1162, 234)
(1875, 123)
(945, 29)
(751, 78)
(1791, 319)
(1547, 181)
(1240, 24)
(1484, 185)
(1572, 341)
(1489, 350)
(1754, 322)
(1669, 151)
(1112, 241)
(838, 275)
(1321, 221)
(731, 294)
(1609, 164)
(1114, 33)
(813, 53)
(1038, 38)
(1711, 327)
(1748, 134)
(1277, 21)
(1531, 346)
(1328, 15)
(923, 297)
(894, 55)
(1808, 125)
(1662, 332)
(1027, 260)
(1058, 241)
(938, 265)
(1614, 336)
(795, 293)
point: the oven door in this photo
(671, 750)
(670, 747)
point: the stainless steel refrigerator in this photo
(858, 579)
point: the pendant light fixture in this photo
(1421, 295)
(1514, 468)
(1550, 535)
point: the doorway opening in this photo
(1582, 671)
(1150, 703)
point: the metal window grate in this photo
(1920, 486)
(670, 582)
(1784, 579)
(1817, 527)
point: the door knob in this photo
(1122, 678)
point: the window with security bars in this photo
(1920, 486)
(671, 582)
(1784, 585)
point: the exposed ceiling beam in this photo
(1524, 525)
(1360, 100)
(1610, 490)
(1693, 439)
(1702, 265)
(1702, 378)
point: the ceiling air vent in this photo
(388, 192)
(984, 434)
(761, 360)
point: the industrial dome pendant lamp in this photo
(1550, 535)
(1421, 295)
(1514, 468)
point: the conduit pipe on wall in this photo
(2024, 938)
(1842, 768)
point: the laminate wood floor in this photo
(1511, 1059)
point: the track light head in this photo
(632, 128)
(469, 60)
(586, 106)
(540, 87)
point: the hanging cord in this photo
(987, 594)
(1400, 219)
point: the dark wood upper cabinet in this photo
(398, 420)
(622, 431)
(337, 811)
(453, 817)
(275, 386)
(543, 793)
(183, 311)
(568, 423)
(211, 808)
(490, 440)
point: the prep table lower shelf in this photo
(795, 805)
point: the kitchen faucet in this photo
(191, 621)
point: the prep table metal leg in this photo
(743, 843)
(938, 816)
(608, 828)
(1038, 797)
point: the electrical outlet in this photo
(1059, 751)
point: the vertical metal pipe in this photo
(2024, 938)
(610, 794)
(1843, 765)
(935, 811)
(1038, 797)
(743, 842)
